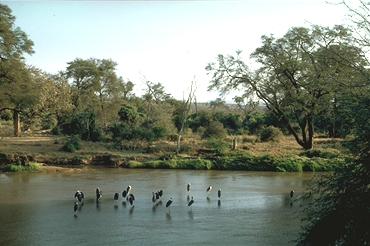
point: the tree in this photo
(53, 102)
(15, 77)
(96, 84)
(298, 74)
(338, 211)
(183, 114)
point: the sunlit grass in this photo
(31, 167)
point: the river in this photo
(255, 208)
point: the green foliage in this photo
(31, 167)
(82, 124)
(173, 164)
(250, 162)
(73, 144)
(219, 146)
(338, 208)
(215, 129)
(129, 115)
(321, 153)
(270, 133)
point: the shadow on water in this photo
(115, 206)
(208, 199)
(190, 214)
(168, 216)
(124, 204)
(98, 206)
(219, 203)
(131, 211)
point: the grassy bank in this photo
(247, 162)
(281, 156)
(30, 167)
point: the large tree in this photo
(97, 87)
(17, 91)
(297, 74)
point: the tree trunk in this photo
(235, 144)
(310, 133)
(178, 145)
(16, 123)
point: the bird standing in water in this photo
(219, 194)
(131, 199)
(191, 202)
(128, 189)
(168, 204)
(209, 190)
(79, 195)
(291, 193)
(99, 194)
(188, 187)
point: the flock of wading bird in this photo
(128, 196)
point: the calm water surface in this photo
(37, 208)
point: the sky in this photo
(170, 42)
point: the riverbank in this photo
(250, 156)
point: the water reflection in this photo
(35, 209)
(190, 214)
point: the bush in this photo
(215, 129)
(32, 166)
(250, 162)
(320, 153)
(173, 164)
(82, 124)
(73, 144)
(270, 133)
(217, 145)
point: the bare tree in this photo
(186, 108)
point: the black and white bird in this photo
(124, 194)
(160, 192)
(79, 195)
(128, 189)
(209, 189)
(168, 204)
(157, 195)
(219, 194)
(191, 202)
(99, 194)
(291, 193)
(116, 196)
(131, 199)
(188, 187)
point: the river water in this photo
(255, 208)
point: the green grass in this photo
(32, 167)
(173, 164)
(247, 162)
(250, 162)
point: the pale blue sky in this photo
(169, 41)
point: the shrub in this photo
(32, 166)
(215, 129)
(270, 133)
(82, 124)
(173, 164)
(73, 144)
(217, 145)
(320, 153)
